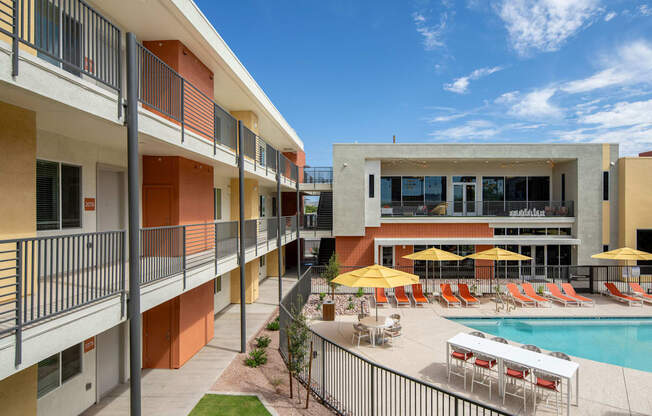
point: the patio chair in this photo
(517, 376)
(531, 347)
(517, 296)
(500, 339)
(569, 291)
(361, 316)
(556, 295)
(460, 356)
(484, 368)
(400, 297)
(477, 334)
(447, 295)
(466, 295)
(614, 293)
(359, 332)
(639, 292)
(545, 382)
(396, 317)
(417, 295)
(529, 291)
(379, 297)
(392, 333)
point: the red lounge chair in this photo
(531, 293)
(401, 297)
(640, 293)
(569, 291)
(615, 294)
(380, 297)
(518, 297)
(466, 295)
(556, 294)
(447, 295)
(417, 295)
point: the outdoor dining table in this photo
(533, 360)
(376, 325)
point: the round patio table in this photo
(376, 325)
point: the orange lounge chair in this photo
(401, 297)
(379, 297)
(466, 295)
(616, 294)
(555, 294)
(417, 295)
(531, 293)
(569, 291)
(518, 296)
(447, 295)
(640, 293)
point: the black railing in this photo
(288, 169)
(477, 209)
(354, 385)
(318, 174)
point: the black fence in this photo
(318, 174)
(478, 208)
(351, 384)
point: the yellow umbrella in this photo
(376, 276)
(497, 254)
(623, 253)
(433, 254)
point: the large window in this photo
(435, 188)
(605, 186)
(390, 189)
(644, 242)
(59, 368)
(538, 188)
(516, 188)
(58, 195)
(493, 188)
(412, 189)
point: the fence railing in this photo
(353, 385)
(288, 169)
(318, 174)
(477, 208)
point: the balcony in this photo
(317, 179)
(529, 209)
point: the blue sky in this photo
(449, 71)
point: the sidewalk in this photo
(175, 392)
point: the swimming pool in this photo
(626, 342)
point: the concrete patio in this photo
(605, 389)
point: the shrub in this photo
(263, 341)
(322, 295)
(273, 325)
(331, 272)
(359, 293)
(257, 357)
(351, 306)
(318, 307)
(299, 335)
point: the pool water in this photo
(626, 342)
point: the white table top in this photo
(531, 359)
(382, 322)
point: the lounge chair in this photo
(401, 297)
(640, 293)
(614, 293)
(417, 295)
(569, 291)
(518, 296)
(529, 291)
(466, 295)
(556, 295)
(447, 295)
(379, 297)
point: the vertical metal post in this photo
(241, 188)
(19, 308)
(134, 244)
(216, 254)
(183, 115)
(299, 252)
(119, 72)
(278, 225)
(14, 42)
(183, 241)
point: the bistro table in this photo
(376, 325)
(533, 360)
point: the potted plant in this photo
(331, 272)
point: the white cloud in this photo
(508, 97)
(460, 85)
(544, 25)
(536, 105)
(645, 10)
(472, 129)
(610, 16)
(623, 114)
(432, 34)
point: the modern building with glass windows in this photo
(555, 203)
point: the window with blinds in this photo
(58, 195)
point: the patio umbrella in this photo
(433, 254)
(497, 254)
(624, 253)
(376, 276)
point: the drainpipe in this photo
(134, 216)
(278, 224)
(243, 323)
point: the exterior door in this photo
(157, 336)
(108, 345)
(539, 260)
(464, 199)
(387, 256)
(110, 200)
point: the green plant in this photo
(276, 381)
(351, 306)
(322, 295)
(540, 290)
(298, 342)
(263, 341)
(318, 307)
(359, 293)
(331, 272)
(273, 325)
(257, 357)
(350, 298)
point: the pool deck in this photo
(605, 389)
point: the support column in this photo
(134, 209)
(278, 224)
(299, 252)
(243, 324)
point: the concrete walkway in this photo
(605, 389)
(175, 392)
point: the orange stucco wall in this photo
(195, 323)
(299, 159)
(359, 251)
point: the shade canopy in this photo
(623, 253)
(376, 276)
(498, 254)
(434, 254)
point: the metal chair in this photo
(477, 334)
(361, 316)
(516, 374)
(484, 367)
(460, 356)
(499, 339)
(396, 317)
(359, 332)
(531, 347)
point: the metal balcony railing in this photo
(478, 209)
(318, 174)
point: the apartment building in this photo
(556, 203)
(64, 264)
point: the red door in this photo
(157, 336)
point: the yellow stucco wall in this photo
(248, 118)
(28, 24)
(18, 393)
(634, 198)
(272, 262)
(251, 283)
(250, 199)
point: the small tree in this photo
(331, 272)
(298, 342)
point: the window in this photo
(387, 256)
(564, 255)
(552, 231)
(466, 179)
(538, 188)
(563, 186)
(605, 186)
(217, 284)
(217, 203)
(565, 231)
(512, 231)
(435, 188)
(412, 189)
(553, 255)
(499, 231)
(390, 189)
(539, 231)
(261, 206)
(493, 188)
(274, 207)
(605, 247)
(371, 186)
(516, 188)
(58, 195)
(261, 262)
(59, 368)
(526, 231)
(644, 243)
